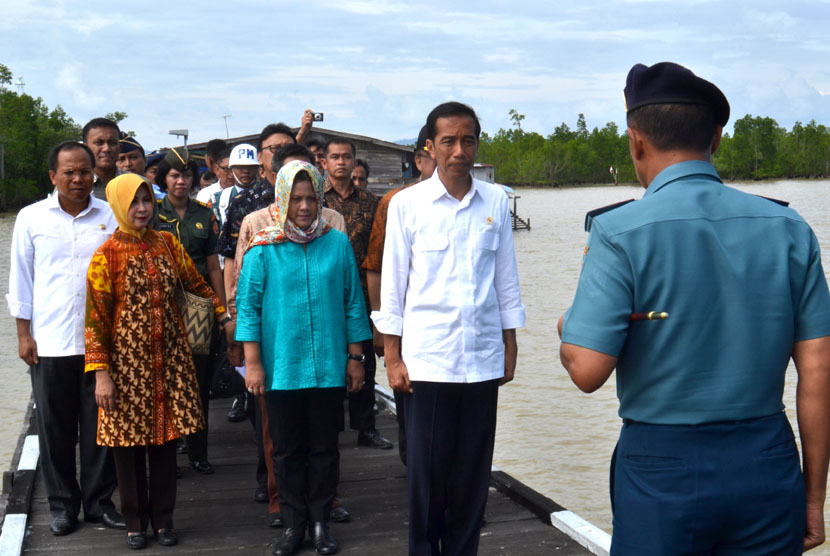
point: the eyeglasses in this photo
(272, 148)
(223, 168)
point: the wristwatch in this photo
(361, 358)
(225, 321)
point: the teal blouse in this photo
(304, 308)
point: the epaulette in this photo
(591, 214)
(776, 201)
(158, 201)
(201, 203)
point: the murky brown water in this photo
(550, 435)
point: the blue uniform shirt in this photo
(740, 277)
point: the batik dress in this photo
(134, 330)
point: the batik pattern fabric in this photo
(135, 332)
(247, 202)
(358, 209)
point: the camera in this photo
(317, 116)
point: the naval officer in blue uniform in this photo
(699, 295)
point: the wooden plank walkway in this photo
(216, 514)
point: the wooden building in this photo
(390, 164)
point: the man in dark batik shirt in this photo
(273, 137)
(358, 207)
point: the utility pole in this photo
(227, 135)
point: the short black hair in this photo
(214, 147)
(361, 162)
(164, 169)
(100, 122)
(316, 142)
(272, 129)
(67, 146)
(675, 126)
(291, 149)
(447, 110)
(339, 141)
(224, 153)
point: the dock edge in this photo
(17, 487)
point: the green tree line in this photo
(759, 148)
(28, 129)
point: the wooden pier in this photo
(216, 514)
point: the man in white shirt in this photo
(52, 245)
(450, 305)
(217, 163)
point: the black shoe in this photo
(63, 525)
(203, 467)
(289, 542)
(238, 412)
(181, 446)
(261, 494)
(275, 521)
(321, 538)
(110, 519)
(167, 537)
(136, 541)
(339, 515)
(373, 439)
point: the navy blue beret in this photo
(129, 143)
(670, 83)
(154, 158)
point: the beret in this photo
(154, 159)
(129, 143)
(670, 83)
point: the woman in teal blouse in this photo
(301, 317)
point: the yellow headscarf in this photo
(121, 191)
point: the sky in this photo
(377, 67)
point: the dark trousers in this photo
(68, 415)
(362, 403)
(450, 431)
(304, 429)
(714, 489)
(197, 443)
(141, 504)
(255, 415)
(400, 414)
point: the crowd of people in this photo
(698, 295)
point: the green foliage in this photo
(758, 149)
(563, 157)
(28, 129)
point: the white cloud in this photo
(70, 81)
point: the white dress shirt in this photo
(50, 256)
(205, 195)
(449, 284)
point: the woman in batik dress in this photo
(137, 347)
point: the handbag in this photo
(196, 312)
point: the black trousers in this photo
(68, 415)
(197, 443)
(450, 431)
(362, 402)
(141, 504)
(304, 427)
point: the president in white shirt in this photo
(450, 305)
(52, 244)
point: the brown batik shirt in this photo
(358, 210)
